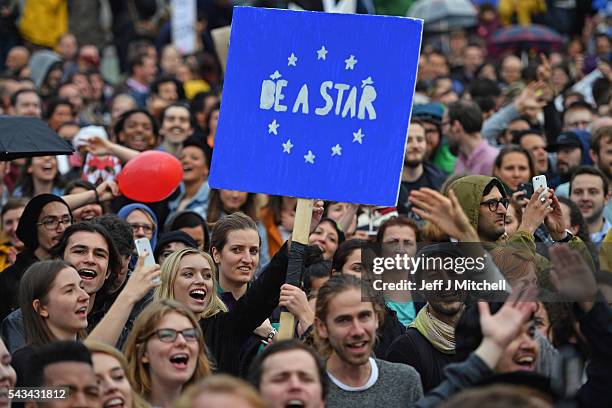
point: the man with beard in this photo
(417, 172)
(429, 343)
(346, 333)
(461, 124)
(601, 153)
(569, 149)
(589, 189)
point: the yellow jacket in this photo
(44, 21)
(605, 253)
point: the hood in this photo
(128, 209)
(469, 191)
(584, 137)
(40, 64)
(27, 230)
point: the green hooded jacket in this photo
(469, 191)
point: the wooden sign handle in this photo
(301, 231)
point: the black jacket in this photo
(10, 279)
(390, 329)
(416, 351)
(596, 326)
(226, 333)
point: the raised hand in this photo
(572, 276)
(444, 212)
(107, 190)
(538, 207)
(142, 280)
(317, 214)
(502, 327)
(554, 220)
(533, 91)
(295, 300)
(98, 146)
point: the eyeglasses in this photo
(51, 224)
(145, 227)
(494, 204)
(170, 335)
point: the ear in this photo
(593, 155)
(574, 229)
(216, 255)
(145, 357)
(39, 308)
(321, 328)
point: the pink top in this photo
(480, 161)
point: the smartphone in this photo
(143, 247)
(527, 188)
(540, 181)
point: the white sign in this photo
(184, 25)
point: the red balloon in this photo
(151, 176)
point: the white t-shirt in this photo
(371, 381)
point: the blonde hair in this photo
(103, 348)
(221, 384)
(144, 326)
(169, 271)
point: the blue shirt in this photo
(598, 237)
(198, 204)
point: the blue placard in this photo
(316, 105)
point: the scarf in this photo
(438, 333)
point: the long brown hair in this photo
(138, 372)
(215, 206)
(36, 283)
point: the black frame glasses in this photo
(170, 335)
(493, 204)
(51, 224)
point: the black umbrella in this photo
(22, 136)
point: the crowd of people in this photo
(80, 310)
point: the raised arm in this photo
(99, 147)
(142, 280)
(104, 192)
(498, 331)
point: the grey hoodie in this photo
(40, 64)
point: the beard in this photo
(491, 233)
(596, 216)
(413, 163)
(453, 148)
(605, 168)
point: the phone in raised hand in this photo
(143, 247)
(540, 182)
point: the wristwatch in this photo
(272, 333)
(568, 236)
